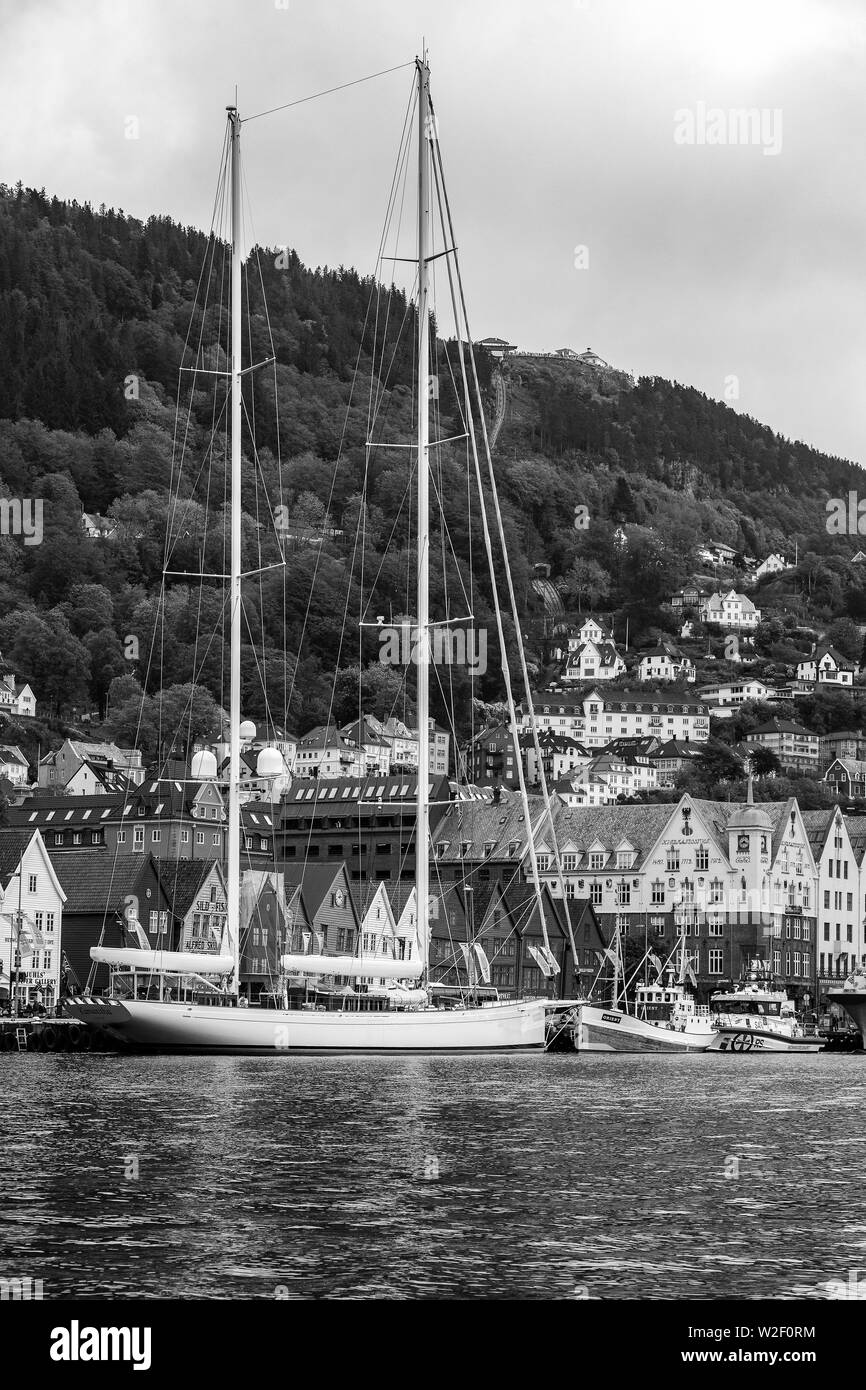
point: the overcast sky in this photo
(563, 123)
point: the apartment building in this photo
(596, 718)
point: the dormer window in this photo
(489, 846)
(441, 849)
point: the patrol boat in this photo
(757, 1016)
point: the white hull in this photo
(611, 1030)
(853, 1001)
(762, 1040)
(150, 1025)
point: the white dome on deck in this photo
(204, 765)
(269, 763)
(247, 730)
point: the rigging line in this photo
(251, 420)
(328, 92)
(489, 549)
(217, 219)
(400, 180)
(507, 570)
(175, 481)
(398, 176)
(280, 504)
(219, 195)
(330, 498)
(204, 539)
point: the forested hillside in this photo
(97, 311)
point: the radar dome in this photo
(269, 763)
(247, 730)
(204, 765)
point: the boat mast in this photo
(422, 645)
(233, 880)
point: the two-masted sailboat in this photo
(189, 1002)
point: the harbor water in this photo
(528, 1176)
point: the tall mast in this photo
(422, 817)
(233, 882)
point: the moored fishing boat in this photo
(665, 1015)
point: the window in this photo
(688, 891)
(849, 902)
(717, 891)
(623, 894)
(623, 859)
(32, 883)
(796, 962)
(49, 921)
(39, 918)
(673, 861)
(155, 836)
(622, 925)
(138, 837)
(216, 839)
(163, 923)
(715, 960)
(248, 841)
(777, 962)
(850, 933)
(569, 862)
(121, 837)
(184, 837)
(46, 961)
(657, 896)
(58, 837)
(153, 922)
(702, 859)
(596, 860)
(595, 894)
(95, 836)
(199, 837)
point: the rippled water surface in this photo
(501, 1177)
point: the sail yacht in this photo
(171, 1001)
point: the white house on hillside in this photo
(716, 553)
(826, 666)
(592, 654)
(730, 610)
(13, 765)
(665, 662)
(772, 565)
